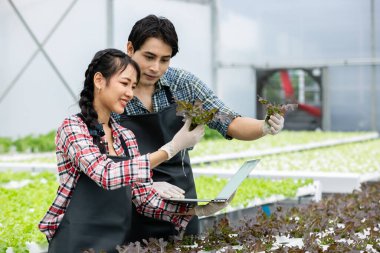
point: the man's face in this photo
(153, 58)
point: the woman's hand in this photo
(184, 139)
(167, 190)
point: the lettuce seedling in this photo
(198, 114)
(272, 108)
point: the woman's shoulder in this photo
(70, 128)
(72, 121)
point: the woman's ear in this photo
(99, 81)
(129, 50)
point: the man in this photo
(151, 115)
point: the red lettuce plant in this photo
(334, 224)
(272, 108)
(198, 114)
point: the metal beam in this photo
(40, 48)
(305, 64)
(35, 53)
(203, 2)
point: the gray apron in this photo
(152, 131)
(95, 218)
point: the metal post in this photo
(373, 83)
(214, 45)
(326, 110)
(110, 24)
(301, 86)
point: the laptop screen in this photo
(237, 179)
(229, 188)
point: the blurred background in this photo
(324, 56)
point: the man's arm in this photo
(241, 128)
(248, 129)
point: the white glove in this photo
(184, 139)
(274, 126)
(212, 207)
(167, 190)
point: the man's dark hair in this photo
(156, 27)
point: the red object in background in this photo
(315, 111)
(289, 95)
(286, 84)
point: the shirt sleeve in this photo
(74, 140)
(200, 91)
(150, 204)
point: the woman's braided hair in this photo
(108, 62)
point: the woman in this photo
(101, 171)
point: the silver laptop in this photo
(229, 188)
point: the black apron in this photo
(95, 218)
(152, 131)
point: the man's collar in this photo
(162, 82)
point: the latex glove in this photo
(167, 190)
(274, 126)
(184, 139)
(212, 207)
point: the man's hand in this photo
(274, 126)
(167, 190)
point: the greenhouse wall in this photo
(238, 88)
(47, 45)
(350, 98)
(340, 36)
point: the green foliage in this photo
(212, 134)
(24, 207)
(219, 145)
(5, 144)
(30, 143)
(250, 189)
(21, 209)
(359, 157)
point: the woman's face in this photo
(119, 91)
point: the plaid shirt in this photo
(184, 86)
(77, 153)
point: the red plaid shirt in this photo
(77, 153)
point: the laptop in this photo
(229, 188)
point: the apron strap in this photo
(169, 94)
(122, 141)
